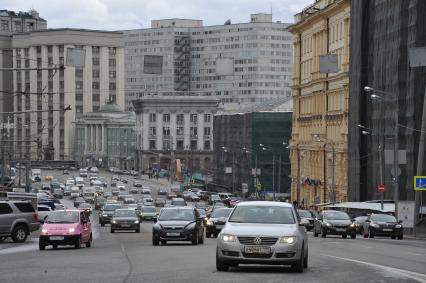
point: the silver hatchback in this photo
(263, 232)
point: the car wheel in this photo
(55, 247)
(112, 230)
(353, 236)
(138, 230)
(400, 237)
(323, 233)
(221, 265)
(89, 243)
(344, 236)
(155, 240)
(2, 239)
(370, 235)
(305, 261)
(19, 234)
(195, 239)
(163, 242)
(298, 267)
(41, 247)
(78, 243)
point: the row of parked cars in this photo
(332, 222)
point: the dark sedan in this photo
(125, 219)
(107, 213)
(78, 201)
(383, 225)
(331, 222)
(178, 224)
(308, 215)
(216, 221)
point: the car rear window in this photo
(5, 208)
(24, 206)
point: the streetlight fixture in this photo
(264, 148)
(394, 97)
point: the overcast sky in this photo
(133, 14)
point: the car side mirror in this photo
(367, 221)
(41, 221)
(155, 219)
(400, 221)
(200, 218)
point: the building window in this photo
(112, 50)
(179, 119)
(78, 85)
(111, 62)
(95, 61)
(193, 118)
(152, 117)
(5, 25)
(206, 145)
(151, 144)
(112, 74)
(166, 131)
(79, 73)
(95, 49)
(112, 86)
(179, 144)
(179, 131)
(95, 73)
(194, 131)
(207, 118)
(166, 117)
(207, 131)
(194, 144)
(166, 145)
(95, 85)
(152, 131)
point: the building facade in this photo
(237, 151)
(105, 138)
(43, 88)
(240, 64)
(170, 128)
(320, 104)
(382, 34)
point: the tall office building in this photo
(239, 64)
(42, 85)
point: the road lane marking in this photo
(420, 277)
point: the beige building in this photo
(320, 104)
(50, 134)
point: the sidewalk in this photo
(160, 181)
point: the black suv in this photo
(178, 224)
(332, 222)
(107, 212)
(17, 220)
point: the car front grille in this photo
(267, 241)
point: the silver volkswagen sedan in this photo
(263, 232)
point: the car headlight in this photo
(208, 222)
(398, 226)
(374, 225)
(228, 238)
(353, 225)
(71, 230)
(136, 221)
(44, 231)
(328, 224)
(114, 222)
(288, 240)
(105, 215)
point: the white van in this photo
(75, 192)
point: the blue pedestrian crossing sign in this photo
(420, 183)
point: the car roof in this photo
(180, 207)
(265, 203)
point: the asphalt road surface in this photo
(131, 257)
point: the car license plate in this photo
(340, 229)
(173, 234)
(387, 230)
(125, 225)
(56, 238)
(257, 250)
(219, 226)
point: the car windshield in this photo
(263, 214)
(148, 209)
(124, 213)
(304, 213)
(84, 205)
(177, 215)
(383, 218)
(111, 207)
(336, 215)
(221, 213)
(62, 217)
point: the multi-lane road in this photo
(131, 257)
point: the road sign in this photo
(381, 188)
(420, 183)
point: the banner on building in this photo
(153, 64)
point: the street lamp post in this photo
(273, 167)
(394, 98)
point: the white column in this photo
(145, 131)
(159, 131)
(69, 116)
(103, 75)
(56, 104)
(173, 129)
(87, 82)
(200, 130)
(186, 131)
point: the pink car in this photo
(66, 227)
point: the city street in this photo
(131, 257)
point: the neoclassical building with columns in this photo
(174, 127)
(319, 154)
